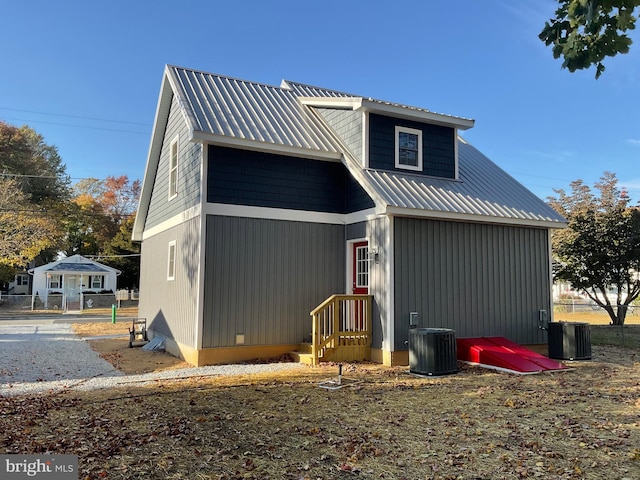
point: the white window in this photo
(362, 267)
(408, 148)
(171, 263)
(96, 282)
(54, 281)
(23, 280)
(173, 169)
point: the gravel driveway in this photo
(41, 358)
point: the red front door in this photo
(360, 255)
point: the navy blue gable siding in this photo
(244, 177)
(438, 146)
(356, 198)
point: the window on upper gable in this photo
(173, 169)
(408, 148)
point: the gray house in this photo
(261, 204)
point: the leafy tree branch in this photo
(585, 32)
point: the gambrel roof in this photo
(242, 114)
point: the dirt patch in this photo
(118, 353)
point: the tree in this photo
(36, 166)
(100, 224)
(585, 32)
(120, 198)
(599, 251)
(33, 188)
(24, 230)
(123, 254)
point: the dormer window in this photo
(408, 148)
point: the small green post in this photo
(113, 313)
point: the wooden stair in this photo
(303, 354)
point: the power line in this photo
(78, 126)
(20, 175)
(74, 116)
(65, 215)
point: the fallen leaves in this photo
(476, 424)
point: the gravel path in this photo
(42, 358)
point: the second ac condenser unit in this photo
(569, 340)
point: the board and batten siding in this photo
(189, 161)
(264, 276)
(170, 306)
(377, 234)
(478, 279)
(347, 124)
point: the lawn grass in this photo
(581, 423)
(602, 333)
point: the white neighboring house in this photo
(71, 276)
(20, 284)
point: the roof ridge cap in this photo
(285, 81)
(227, 77)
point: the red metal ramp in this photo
(502, 353)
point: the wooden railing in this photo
(342, 329)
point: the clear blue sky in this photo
(86, 75)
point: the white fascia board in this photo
(258, 146)
(472, 218)
(399, 111)
(267, 213)
(173, 222)
(153, 156)
(342, 103)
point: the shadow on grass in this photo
(627, 336)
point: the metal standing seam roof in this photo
(77, 267)
(303, 90)
(231, 110)
(483, 190)
(244, 110)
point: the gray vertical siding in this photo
(377, 233)
(170, 307)
(263, 277)
(189, 158)
(348, 125)
(479, 279)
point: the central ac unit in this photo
(432, 351)
(569, 340)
